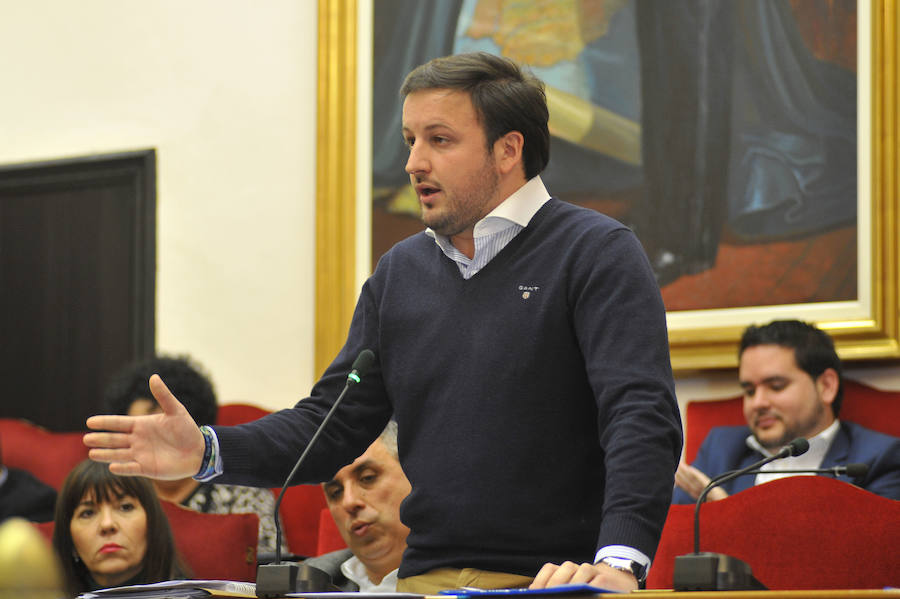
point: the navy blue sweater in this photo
(535, 401)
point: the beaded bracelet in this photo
(208, 465)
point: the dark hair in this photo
(184, 377)
(93, 478)
(813, 349)
(505, 97)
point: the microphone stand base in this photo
(279, 579)
(276, 580)
(713, 572)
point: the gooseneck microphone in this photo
(848, 470)
(277, 579)
(716, 571)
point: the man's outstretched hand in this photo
(167, 446)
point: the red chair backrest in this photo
(800, 532)
(215, 546)
(299, 515)
(238, 413)
(329, 537)
(300, 507)
(872, 408)
(46, 454)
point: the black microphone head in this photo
(857, 470)
(364, 361)
(798, 446)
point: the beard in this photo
(467, 205)
(804, 427)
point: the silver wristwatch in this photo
(638, 570)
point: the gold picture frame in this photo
(866, 329)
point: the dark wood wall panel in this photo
(77, 281)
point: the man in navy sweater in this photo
(520, 345)
(793, 387)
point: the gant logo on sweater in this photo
(527, 290)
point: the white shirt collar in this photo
(812, 459)
(519, 208)
(354, 570)
(522, 205)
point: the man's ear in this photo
(827, 385)
(508, 152)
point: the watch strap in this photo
(636, 569)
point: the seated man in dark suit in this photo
(23, 495)
(364, 499)
(793, 387)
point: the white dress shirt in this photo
(812, 459)
(493, 232)
(354, 570)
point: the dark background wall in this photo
(77, 281)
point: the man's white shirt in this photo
(810, 460)
(354, 570)
(493, 232)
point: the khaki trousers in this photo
(440, 579)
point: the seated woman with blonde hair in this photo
(112, 531)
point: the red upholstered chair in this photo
(215, 546)
(46, 454)
(872, 408)
(299, 515)
(300, 507)
(329, 537)
(801, 532)
(238, 413)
